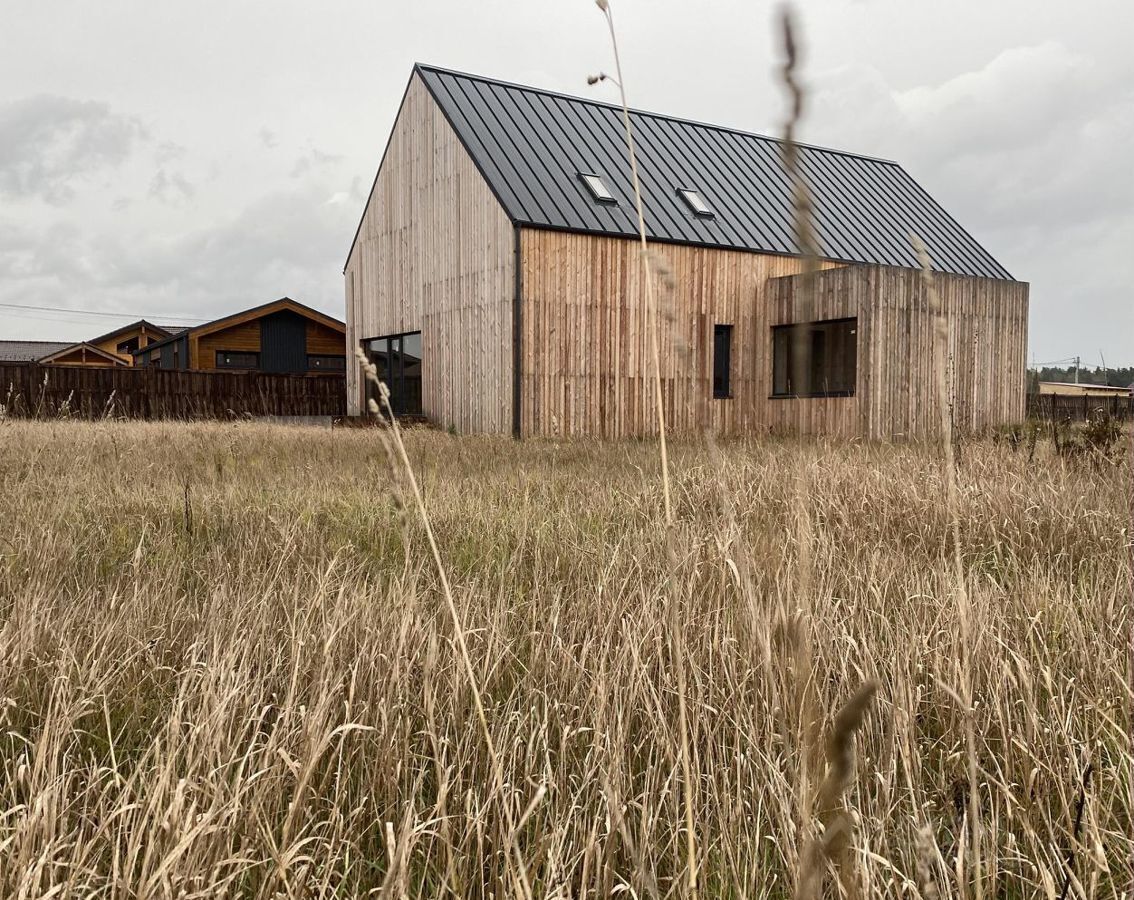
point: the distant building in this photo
(281, 336)
(495, 279)
(30, 351)
(1069, 389)
(115, 348)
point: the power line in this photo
(91, 312)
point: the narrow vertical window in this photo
(722, 361)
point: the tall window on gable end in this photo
(816, 359)
(722, 361)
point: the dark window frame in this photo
(341, 360)
(405, 391)
(828, 326)
(722, 375)
(226, 365)
(125, 347)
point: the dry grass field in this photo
(227, 669)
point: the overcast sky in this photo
(189, 159)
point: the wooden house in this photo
(281, 336)
(125, 341)
(495, 278)
(115, 348)
(1068, 389)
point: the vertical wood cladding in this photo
(434, 254)
(586, 364)
(987, 324)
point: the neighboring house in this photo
(495, 278)
(30, 351)
(281, 336)
(115, 348)
(125, 341)
(83, 353)
(1068, 389)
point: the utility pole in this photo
(1076, 370)
(1102, 359)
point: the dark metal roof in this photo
(29, 351)
(531, 146)
(117, 331)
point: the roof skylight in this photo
(695, 202)
(597, 187)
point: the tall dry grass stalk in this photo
(673, 598)
(823, 829)
(276, 705)
(400, 464)
(966, 636)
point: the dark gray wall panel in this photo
(283, 342)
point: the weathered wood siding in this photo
(586, 358)
(896, 391)
(587, 366)
(324, 341)
(140, 392)
(435, 253)
(244, 337)
(144, 335)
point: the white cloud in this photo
(49, 143)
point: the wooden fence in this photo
(33, 390)
(1061, 406)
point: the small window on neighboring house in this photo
(237, 359)
(722, 361)
(597, 187)
(696, 203)
(155, 360)
(127, 347)
(327, 363)
(817, 359)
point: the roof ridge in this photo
(35, 341)
(653, 115)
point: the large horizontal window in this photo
(817, 359)
(237, 359)
(327, 363)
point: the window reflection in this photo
(398, 359)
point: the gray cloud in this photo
(171, 187)
(277, 245)
(1050, 196)
(47, 143)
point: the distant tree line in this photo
(1118, 377)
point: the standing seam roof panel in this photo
(606, 166)
(678, 176)
(502, 139)
(859, 229)
(581, 158)
(781, 235)
(541, 166)
(699, 177)
(530, 146)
